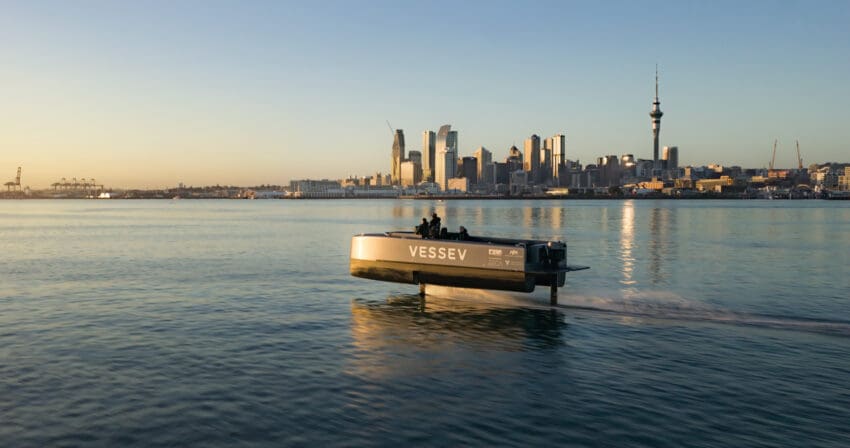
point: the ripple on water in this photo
(230, 324)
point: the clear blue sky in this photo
(204, 92)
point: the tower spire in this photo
(655, 114)
(656, 83)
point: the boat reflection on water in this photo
(402, 334)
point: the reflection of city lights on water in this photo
(627, 241)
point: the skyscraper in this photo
(609, 171)
(514, 159)
(469, 169)
(671, 157)
(484, 170)
(416, 157)
(398, 156)
(446, 156)
(656, 114)
(451, 141)
(428, 152)
(546, 160)
(559, 158)
(532, 158)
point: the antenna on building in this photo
(656, 82)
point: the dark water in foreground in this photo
(235, 323)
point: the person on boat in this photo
(463, 235)
(422, 229)
(434, 226)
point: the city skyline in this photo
(157, 94)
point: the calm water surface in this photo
(235, 323)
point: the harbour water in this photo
(235, 323)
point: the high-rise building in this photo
(655, 114)
(532, 158)
(559, 158)
(501, 173)
(546, 161)
(446, 168)
(671, 157)
(451, 141)
(411, 173)
(609, 171)
(446, 156)
(398, 156)
(416, 157)
(428, 152)
(627, 165)
(470, 169)
(484, 170)
(514, 159)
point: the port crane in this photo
(14, 184)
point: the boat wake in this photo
(649, 305)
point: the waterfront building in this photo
(844, 179)
(458, 184)
(411, 173)
(532, 157)
(308, 188)
(714, 185)
(655, 114)
(429, 141)
(671, 157)
(484, 170)
(397, 155)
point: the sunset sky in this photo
(150, 94)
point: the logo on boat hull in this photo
(437, 253)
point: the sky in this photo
(150, 94)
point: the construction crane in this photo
(392, 132)
(773, 159)
(799, 157)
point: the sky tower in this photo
(656, 114)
